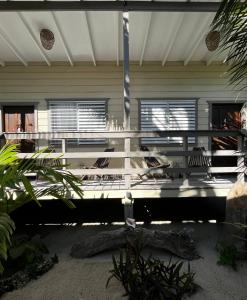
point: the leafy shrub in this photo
(23, 252)
(7, 227)
(25, 261)
(150, 278)
(228, 255)
(39, 266)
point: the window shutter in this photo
(91, 117)
(167, 115)
(62, 116)
(154, 116)
(75, 116)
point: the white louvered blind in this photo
(167, 115)
(75, 116)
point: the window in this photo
(167, 115)
(83, 115)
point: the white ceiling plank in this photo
(33, 37)
(172, 38)
(117, 36)
(203, 29)
(8, 42)
(62, 38)
(212, 57)
(89, 34)
(148, 26)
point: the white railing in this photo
(127, 171)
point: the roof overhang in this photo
(158, 6)
(164, 31)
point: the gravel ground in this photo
(76, 279)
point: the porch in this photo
(132, 179)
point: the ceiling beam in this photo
(62, 38)
(158, 6)
(198, 38)
(33, 37)
(89, 34)
(12, 47)
(117, 37)
(172, 37)
(148, 26)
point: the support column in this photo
(126, 78)
(127, 201)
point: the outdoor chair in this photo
(154, 164)
(101, 163)
(200, 160)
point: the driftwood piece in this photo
(179, 243)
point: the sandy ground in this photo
(76, 279)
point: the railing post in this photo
(64, 160)
(185, 148)
(240, 161)
(127, 166)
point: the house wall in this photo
(39, 83)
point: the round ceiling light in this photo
(47, 38)
(212, 40)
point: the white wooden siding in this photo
(38, 83)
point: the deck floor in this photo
(159, 183)
(194, 186)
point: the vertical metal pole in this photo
(126, 93)
(126, 78)
(128, 211)
(241, 159)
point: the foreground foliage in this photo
(150, 278)
(16, 189)
(228, 255)
(7, 228)
(38, 267)
(231, 22)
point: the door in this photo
(225, 117)
(20, 119)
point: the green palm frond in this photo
(16, 189)
(8, 154)
(7, 228)
(13, 176)
(231, 22)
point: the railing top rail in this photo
(121, 134)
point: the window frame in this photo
(77, 144)
(165, 144)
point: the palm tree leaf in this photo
(231, 22)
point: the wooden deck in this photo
(157, 188)
(139, 182)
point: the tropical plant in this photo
(228, 255)
(231, 22)
(150, 278)
(16, 189)
(7, 228)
